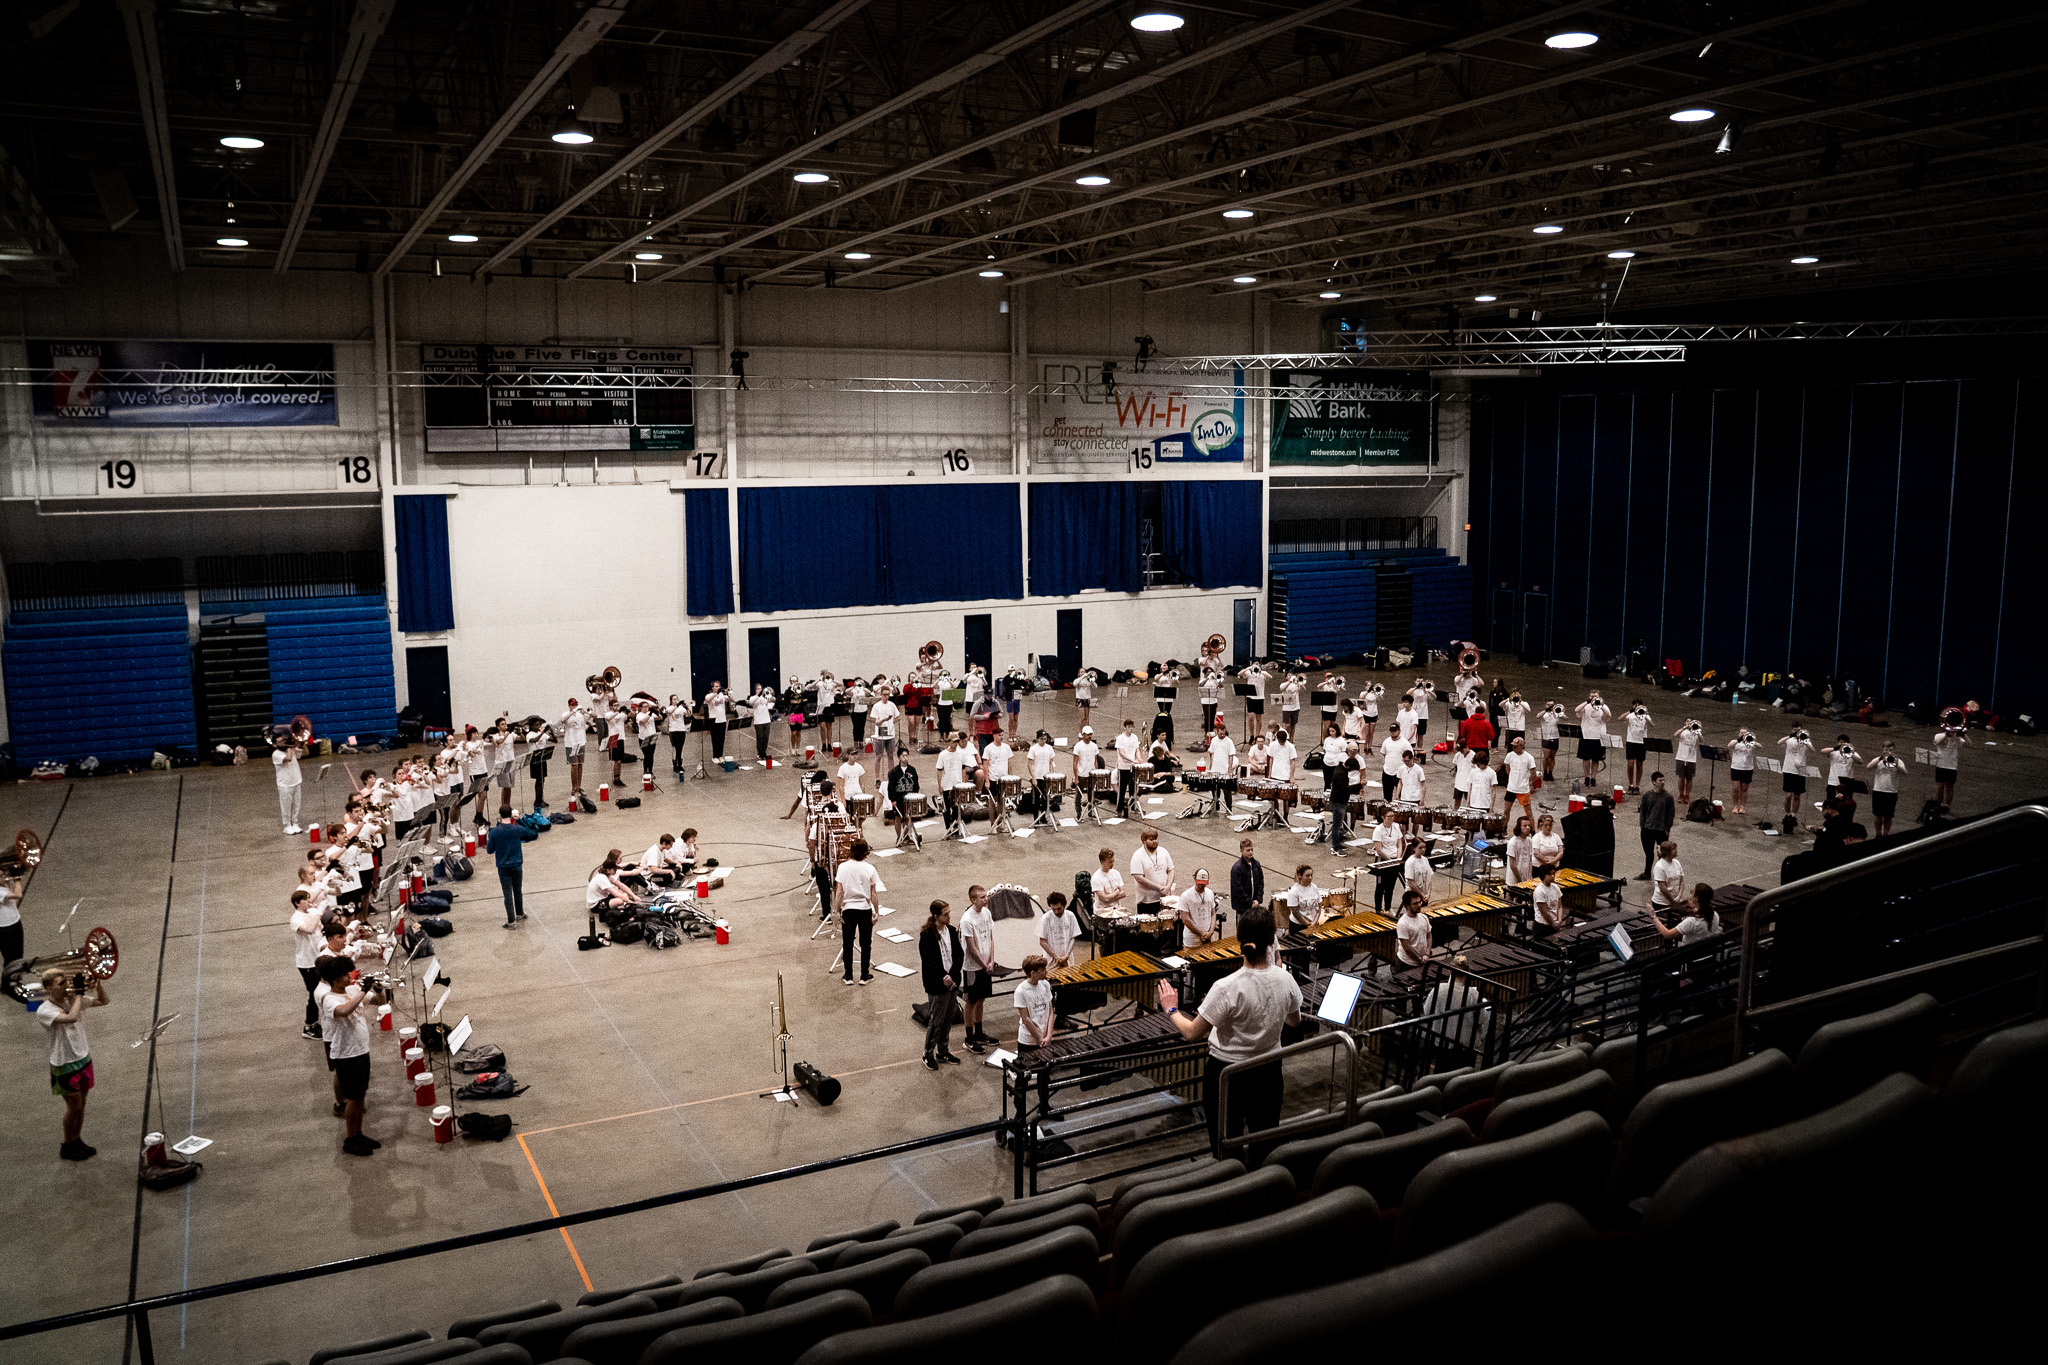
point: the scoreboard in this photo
(483, 399)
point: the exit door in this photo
(1069, 642)
(764, 657)
(707, 661)
(980, 643)
(426, 683)
(1241, 642)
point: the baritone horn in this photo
(99, 958)
(1214, 644)
(21, 859)
(930, 652)
(1469, 660)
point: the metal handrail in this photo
(1336, 1038)
(1999, 826)
(139, 1309)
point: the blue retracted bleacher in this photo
(114, 682)
(330, 660)
(1330, 600)
(1331, 611)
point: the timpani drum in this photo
(861, 806)
(915, 805)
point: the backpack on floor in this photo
(480, 1057)
(589, 806)
(627, 931)
(485, 1127)
(491, 1085)
(627, 802)
(458, 867)
(1701, 811)
(436, 926)
(561, 817)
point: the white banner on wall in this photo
(1137, 420)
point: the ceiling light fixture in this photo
(860, 256)
(231, 241)
(1329, 294)
(1565, 42)
(1621, 255)
(1156, 21)
(1484, 298)
(1727, 142)
(570, 132)
(464, 237)
(811, 177)
(647, 255)
(1237, 213)
(1806, 260)
(1092, 181)
(243, 144)
(1244, 279)
(1547, 229)
(990, 274)
(1692, 116)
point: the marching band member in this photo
(1798, 751)
(1290, 701)
(661, 863)
(1698, 923)
(851, 775)
(1212, 696)
(677, 714)
(1304, 898)
(305, 920)
(1152, 870)
(1369, 715)
(647, 730)
(1391, 750)
(1548, 899)
(1422, 694)
(1685, 756)
(858, 698)
(1085, 756)
(1388, 839)
(1741, 768)
(1339, 781)
(285, 753)
(1333, 686)
(1033, 1001)
(1479, 789)
(1242, 1018)
(883, 715)
(575, 726)
(1547, 722)
(1514, 717)
(902, 781)
(954, 763)
(760, 709)
(1548, 845)
(1084, 693)
(715, 703)
(504, 758)
(1222, 753)
(1041, 754)
(1284, 756)
(1258, 760)
(1416, 872)
(1635, 744)
(1842, 761)
(1593, 714)
(985, 713)
(1332, 745)
(995, 760)
(1414, 781)
(607, 891)
(1477, 732)
(1255, 704)
(446, 784)
(615, 721)
(1461, 774)
(828, 700)
(1522, 851)
(478, 749)
(1884, 788)
(978, 942)
(1057, 927)
(1196, 910)
(1521, 766)
(346, 1024)
(1406, 725)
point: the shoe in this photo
(356, 1147)
(866, 979)
(974, 1046)
(371, 1142)
(930, 1064)
(846, 981)
(510, 925)
(311, 1031)
(949, 1057)
(1644, 877)
(76, 1151)
(519, 914)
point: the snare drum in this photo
(1285, 793)
(1354, 811)
(1055, 784)
(1101, 780)
(915, 805)
(861, 806)
(1006, 785)
(1144, 772)
(1337, 903)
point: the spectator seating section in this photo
(1392, 1230)
(1848, 1056)
(111, 682)
(330, 660)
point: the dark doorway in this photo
(1501, 634)
(707, 661)
(1535, 626)
(981, 643)
(764, 657)
(426, 683)
(1241, 627)
(1069, 662)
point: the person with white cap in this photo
(1197, 912)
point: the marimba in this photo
(1208, 963)
(1121, 1049)
(1583, 891)
(1507, 965)
(1131, 976)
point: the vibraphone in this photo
(1583, 891)
(1130, 976)
(1583, 941)
(1063, 1123)
(1483, 911)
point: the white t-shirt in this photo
(1687, 745)
(645, 724)
(1283, 762)
(1547, 724)
(1084, 756)
(1638, 723)
(1841, 762)
(1461, 771)
(305, 936)
(656, 856)
(1222, 754)
(1549, 904)
(596, 889)
(1101, 881)
(1883, 778)
(1041, 761)
(827, 694)
(479, 757)
(67, 1041)
(1410, 788)
(997, 756)
(1412, 939)
(678, 723)
(1033, 1000)
(1084, 688)
(1520, 767)
(1303, 902)
(1405, 722)
(1668, 877)
(1948, 749)
(1391, 749)
(851, 773)
(1059, 931)
(1246, 1011)
(1592, 719)
(1692, 929)
(978, 939)
(1200, 907)
(348, 1035)
(1482, 787)
(1387, 842)
(1514, 715)
(883, 717)
(1127, 747)
(1416, 874)
(1546, 848)
(1796, 751)
(857, 698)
(1158, 865)
(1421, 697)
(860, 883)
(1742, 756)
(1290, 695)
(287, 764)
(953, 765)
(10, 912)
(1521, 858)
(1370, 700)
(714, 705)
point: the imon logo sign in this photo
(1214, 431)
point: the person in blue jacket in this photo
(505, 843)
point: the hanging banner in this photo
(1336, 420)
(183, 383)
(1136, 419)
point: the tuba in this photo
(21, 860)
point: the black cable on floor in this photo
(149, 1083)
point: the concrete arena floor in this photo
(644, 1066)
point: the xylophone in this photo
(1583, 891)
(1130, 975)
(1485, 912)
(1335, 940)
(1208, 963)
(1121, 1049)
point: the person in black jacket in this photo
(1247, 880)
(1656, 813)
(902, 781)
(939, 953)
(1340, 779)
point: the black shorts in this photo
(1636, 752)
(1742, 776)
(353, 1076)
(1884, 804)
(1686, 769)
(1508, 738)
(1255, 706)
(980, 988)
(616, 748)
(1592, 748)
(1550, 744)
(1945, 775)
(1795, 782)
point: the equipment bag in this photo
(436, 926)
(480, 1057)
(459, 868)
(589, 806)
(627, 802)
(626, 931)
(485, 1127)
(1700, 811)
(491, 1085)
(561, 817)
(170, 1173)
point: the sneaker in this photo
(930, 1064)
(865, 979)
(78, 1151)
(510, 925)
(339, 1109)
(974, 1046)
(371, 1142)
(311, 1031)
(519, 914)
(846, 981)
(1644, 877)
(356, 1146)
(949, 1057)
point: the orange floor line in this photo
(554, 1212)
(687, 1104)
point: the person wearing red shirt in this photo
(1477, 732)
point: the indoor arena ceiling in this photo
(1409, 160)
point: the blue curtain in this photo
(1084, 535)
(707, 541)
(426, 599)
(1212, 527)
(951, 543)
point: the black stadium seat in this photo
(967, 1220)
(751, 1289)
(1334, 1237)
(1022, 1210)
(1679, 1118)
(1461, 1194)
(1137, 1190)
(607, 1295)
(1510, 1273)
(984, 1207)
(1473, 1085)
(776, 1337)
(1301, 1157)
(472, 1326)
(1541, 1073)
(362, 1348)
(986, 1239)
(620, 1342)
(873, 1232)
(1438, 1079)
(1267, 1190)
(745, 1264)
(418, 1353)
(1384, 1167)
(542, 1337)
(1403, 1114)
(955, 1284)
(1588, 1091)
(1055, 1310)
(1848, 1056)
(935, 1240)
(875, 1280)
